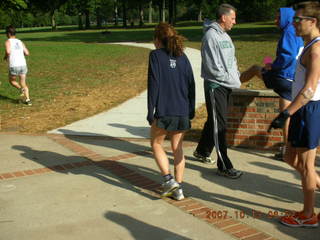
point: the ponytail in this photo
(175, 45)
(171, 41)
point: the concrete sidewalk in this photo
(80, 187)
(129, 118)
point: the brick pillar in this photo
(250, 114)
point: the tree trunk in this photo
(116, 22)
(140, 15)
(172, 10)
(124, 14)
(160, 11)
(80, 24)
(200, 16)
(87, 16)
(53, 21)
(163, 11)
(98, 16)
(150, 12)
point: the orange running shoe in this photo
(299, 220)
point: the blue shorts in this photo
(304, 129)
(281, 86)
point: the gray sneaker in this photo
(178, 194)
(230, 173)
(169, 187)
(203, 159)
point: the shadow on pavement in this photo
(141, 230)
(52, 159)
(136, 131)
(105, 141)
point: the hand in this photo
(268, 66)
(280, 120)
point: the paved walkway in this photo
(129, 118)
(92, 187)
(79, 183)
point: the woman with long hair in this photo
(171, 104)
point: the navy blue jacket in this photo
(289, 45)
(171, 87)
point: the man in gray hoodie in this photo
(220, 73)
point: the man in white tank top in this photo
(304, 114)
(15, 55)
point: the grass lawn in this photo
(73, 76)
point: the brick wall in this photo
(250, 114)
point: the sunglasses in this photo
(297, 19)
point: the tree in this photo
(13, 4)
(49, 6)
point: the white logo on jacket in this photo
(173, 63)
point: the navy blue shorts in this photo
(173, 123)
(279, 85)
(304, 129)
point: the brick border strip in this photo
(233, 227)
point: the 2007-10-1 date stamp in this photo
(239, 214)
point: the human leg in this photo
(24, 86)
(283, 104)
(219, 99)
(157, 138)
(13, 81)
(295, 137)
(251, 72)
(305, 159)
(179, 162)
(308, 179)
(206, 142)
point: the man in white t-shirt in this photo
(304, 114)
(15, 55)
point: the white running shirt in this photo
(300, 76)
(16, 58)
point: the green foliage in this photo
(100, 12)
(13, 4)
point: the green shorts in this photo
(16, 71)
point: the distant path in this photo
(128, 120)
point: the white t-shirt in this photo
(16, 58)
(300, 77)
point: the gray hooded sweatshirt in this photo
(219, 64)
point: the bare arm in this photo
(25, 50)
(312, 63)
(7, 50)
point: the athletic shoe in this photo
(178, 194)
(299, 220)
(169, 187)
(280, 154)
(230, 173)
(202, 158)
(28, 102)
